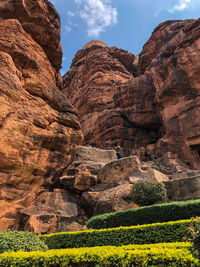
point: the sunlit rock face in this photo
(142, 103)
(39, 130)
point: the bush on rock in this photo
(145, 193)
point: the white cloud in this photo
(68, 29)
(71, 14)
(182, 4)
(97, 14)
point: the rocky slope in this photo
(39, 130)
(148, 104)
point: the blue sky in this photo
(126, 24)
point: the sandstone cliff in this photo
(39, 130)
(148, 104)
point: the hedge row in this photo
(103, 256)
(141, 234)
(145, 215)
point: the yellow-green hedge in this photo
(141, 234)
(152, 255)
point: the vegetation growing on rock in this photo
(145, 193)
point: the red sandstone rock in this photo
(50, 212)
(40, 19)
(82, 174)
(110, 200)
(153, 99)
(96, 74)
(39, 130)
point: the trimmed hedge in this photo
(103, 256)
(142, 234)
(145, 215)
(26, 241)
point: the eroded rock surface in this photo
(50, 212)
(83, 173)
(39, 19)
(113, 199)
(148, 104)
(39, 129)
(184, 186)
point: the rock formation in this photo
(83, 173)
(148, 104)
(39, 129)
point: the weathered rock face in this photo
(40, 19)
(148, 104)
(39, 130)
(185, 186)
(95, 75)
(51, 211)
(83, 173)
(110, 200)
(176, 78)
(119, 171)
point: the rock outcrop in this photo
(83, 173)
(39, 129)
(39, 19)
(184, 186)
(148, 104)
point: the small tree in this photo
(145, 193)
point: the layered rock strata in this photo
(148, 104)
(39, 129)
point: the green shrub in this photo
(174, 255)
(26, 241)
(141, 234)
(193, 236)
(145, 215)
(145, 193)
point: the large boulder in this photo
(82, 174)
(110, 200)
(184, 186)
(128, 169)
(39, 129)
(118, 171)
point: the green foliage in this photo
(154, 255)
(145, 193)
(157, 213)
(193, 236)
(143, 234)
(26, 241)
